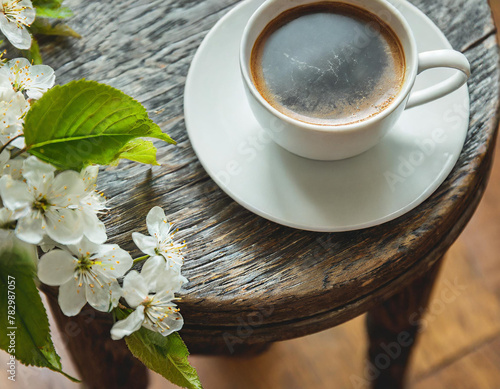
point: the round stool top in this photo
(240, 266)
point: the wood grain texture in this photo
(241, 266)
(463, 318)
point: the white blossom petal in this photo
(31, 228)
(56, 267)
(72, 297)
(47, 244)
(42, 78)
(94, 201)
(29, 12)
(135, 289)
(115, 262)
(15, 15)
(147, 244)
(13, 168)
(172, 255)
(116, 293)
(5, 84)
(152, 271)
(99, 293)
(89, 177)
(168, 322)
(97, 284)
(48, 203)
(15, 194)
(6, 90)
(13, 106)
(68, 188)
(18, 36)
(158, 225)
(83, 248)
(4, 159)
(35, 169)
(129, 325)
(64, 225)
(160, 277)
(19, 63)
(93, 228)
(170, 281)
(19, 142)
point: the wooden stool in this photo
(253, 282)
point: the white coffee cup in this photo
(324, 142)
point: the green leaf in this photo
(33, 54)
(29, 324)
(45, 27)
(54, 13)
(167, 356)
(47, 3)
(164, 355)
(84, 122)
(139, 150)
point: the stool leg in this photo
(392, 330)
(101, 361)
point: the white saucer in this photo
(375, 187)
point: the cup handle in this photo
(438, 59)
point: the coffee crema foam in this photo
(328, 64)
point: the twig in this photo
(18, 153)
(141, 259)
(9, 142)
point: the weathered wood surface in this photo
(251, 279)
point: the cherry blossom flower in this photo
(13, 108)
(85, 272)
(17, 77)
(35, 80)
(92, 204)
(45, 203)
(156, 312)
(15, 16)
(165, 253)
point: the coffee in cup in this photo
(328, 63)
(328, 79)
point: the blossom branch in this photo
(9, 142)
(137, 260)
(19, 152)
